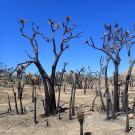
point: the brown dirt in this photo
(95, 122)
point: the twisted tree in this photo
(130, 42)
(113, 39)
(67, 36)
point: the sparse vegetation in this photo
(59, 99)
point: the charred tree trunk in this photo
(32, 95)
(100, 94)
(108, 102)
(20, 89)
(9, 105)
(52, 99)
(43, 103)
(16, 107)
(64, 89)
(81, 128)
(85, 86)
(47, 96)
(80, 115)
(127, 118)
(126, 86)
(108, 98)
(39, 83)
(21, 105)
(47, 100)
(73, 102)
(58, 102)
(35, 110)
(93, 103)
(52, 83)
(70, 103)
(115, 92)
(133, 109)
(59, 92)
(107, 92)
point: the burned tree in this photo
(93, 102)
(91, 78)
(21, 83)
(127, 117)
(129, 44)
(99, 85)
(34, 81)
(85, 84)
(64, 83)
(107, 92)
(80, 77)
(35, 109)
(75, 79)
(59, 88)
(113, 41)
(67, 36)
(71, 97)
(80, 116)
(15, 100)
(70, 78)
(9, 105)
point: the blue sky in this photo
(89, 15)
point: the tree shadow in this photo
(63, 109)
(88, 133)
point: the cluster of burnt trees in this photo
(113, 41)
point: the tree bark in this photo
(93, 103)
(100, 93)
(20, 90)
(32, 94)
(64, 89)
(21, 105)
(127, 118)
(115, 92)
(47, 96)
(85, 85)
(108, 98)
(73, 102)
(35, 110)
(49, 90)
(126, 86)
(81, 129)
(133, 109)
(9, 105)
(52, 98)
(70, 103)
(16, 107)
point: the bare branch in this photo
(28, 55)
(22, 22)
(91, 43)
(27, 63)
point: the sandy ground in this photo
(95, 122)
